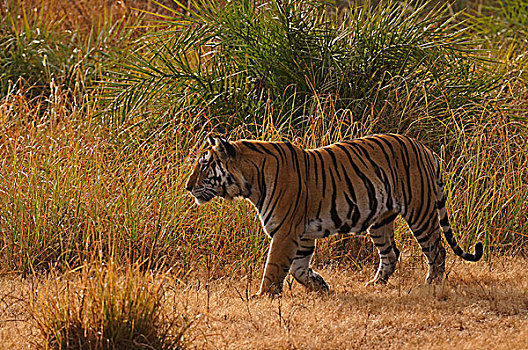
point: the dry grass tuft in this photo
(102, 307)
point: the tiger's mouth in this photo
(200, 200)
(202, 196)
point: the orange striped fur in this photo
(347, 187)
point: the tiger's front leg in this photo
(300, 267)
(280, 257)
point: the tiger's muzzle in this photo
(201, 195)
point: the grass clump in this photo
(32, 53)
(103, 307)
(40, 49)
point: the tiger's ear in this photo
(223, 147)
(211, 139)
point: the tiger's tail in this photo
(446, 226)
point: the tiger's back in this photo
(355, 183)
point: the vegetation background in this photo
(105, 105)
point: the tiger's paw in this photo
(317, 284)
(376, 281)
(260, 295)
(433, 280)
(257, 295)
(271, 291)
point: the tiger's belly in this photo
(354, 219)
(324, 227)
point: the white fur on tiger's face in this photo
(348, 187)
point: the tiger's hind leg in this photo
(382, 234)
(428, 236)
(300, 267)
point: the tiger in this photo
(353, 186)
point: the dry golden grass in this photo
(481, 305)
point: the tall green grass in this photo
(243, 60)
(76, 186)
(486, 182)
(68, 192)
(72, 185)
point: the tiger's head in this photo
(217, 173)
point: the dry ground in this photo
(481, 306)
